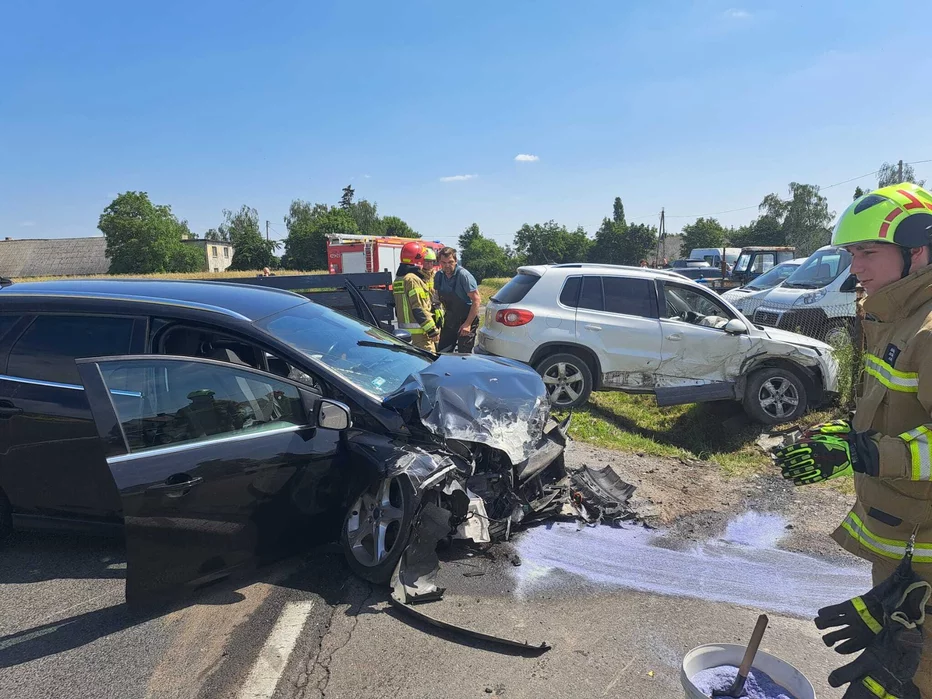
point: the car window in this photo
(515, 290)
(694, 306)
(820, 270)
(763, 263)
(591, 296)
(7, 322)
(770, 279)
(633, 297)
(367, 357)
(168, 402)
(49, 346)
(570, 294)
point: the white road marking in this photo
(274, 655)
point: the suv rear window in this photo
(515, 290)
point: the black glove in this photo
(828, 451)
(889, 663)
(862, 618)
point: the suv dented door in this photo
(207, 458)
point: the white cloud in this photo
(367, 176)
(458, 178)
(735, 13)
(525, 158)
(27, 224)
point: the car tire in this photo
(566, 375)
(775, 395)
(388, 502)
(837, 331)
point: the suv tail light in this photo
(513, 317)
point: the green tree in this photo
(366, 216)
(638, 243)
(250, 249)
(485, 258)
(144, 238)
(858, 192)
(394, 226)
(805, 221)
(703, 233)
(469, 234)
(346, 201)
(618, 213)
(609, 246)
(216, 236)
(551, 243)
(308, 228)
(890, 174)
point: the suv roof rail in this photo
(602, 265)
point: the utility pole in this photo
(899, 174)
(660, 236)
(266, 230)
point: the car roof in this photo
(595, 267)
(244, 301)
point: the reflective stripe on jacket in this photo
(412, 305)
(895, 400)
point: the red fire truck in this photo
(348, 254)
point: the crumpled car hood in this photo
(796, 339)
(490, 400)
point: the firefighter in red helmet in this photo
(412, 298)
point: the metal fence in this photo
(833, 324)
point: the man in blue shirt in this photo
(459, 294)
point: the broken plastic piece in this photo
(415, 575)
(417, 613)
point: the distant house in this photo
(219, 255)
(53, 257)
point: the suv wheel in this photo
(775, 395)
(568, 380)
(377, 527)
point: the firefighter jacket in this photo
(412, 302)
(895, 399)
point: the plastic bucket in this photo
(715, 654)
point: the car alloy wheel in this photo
(778, 397)
(374, 525)
(565, 383)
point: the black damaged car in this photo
(218, 425)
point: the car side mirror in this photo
(331, 415)
(736, 326)
(402, 335)
(850, 284)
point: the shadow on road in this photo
(30, 557)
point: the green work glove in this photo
(887, 666)
(823, 456)
(862, 618)
(835, 427)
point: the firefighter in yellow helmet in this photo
(887, 444)
(412, 298)
(430, 269)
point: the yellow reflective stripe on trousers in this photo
(413, 328)
(865, 615)
(888, 548)
(920, 450)
(895, 380)
(878, 691)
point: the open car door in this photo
(218, 465)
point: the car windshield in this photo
(743, 260)
(776, 276)
(347, 346)
(820, 270)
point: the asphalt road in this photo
(620, 607)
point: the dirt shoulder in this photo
(693, 500)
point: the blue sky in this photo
(698, 107)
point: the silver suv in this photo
(587, 327)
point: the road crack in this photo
(317, 676)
